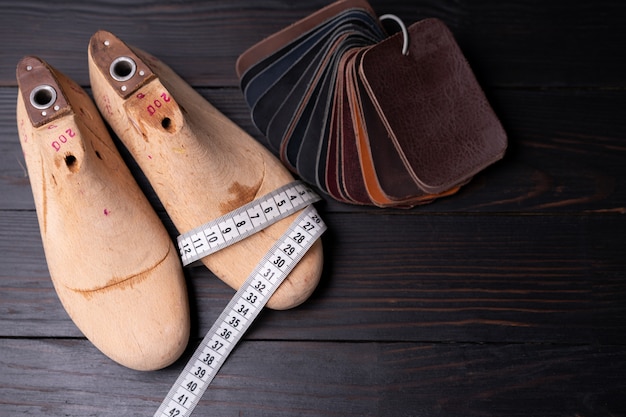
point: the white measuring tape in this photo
(250, 299)
(244, 221)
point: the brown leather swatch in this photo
(352, 179)
(379, 181)
(393, 178)
(334, 173)
(432, 106)
(372, 185)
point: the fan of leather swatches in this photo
(348, 110)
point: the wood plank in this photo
(70, 378)
(454, 278)
(559, 43)
(565, 154)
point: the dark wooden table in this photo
(508, 298)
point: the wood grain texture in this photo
(313, 378)
(508, 299)
(534, 43)
(452, 278)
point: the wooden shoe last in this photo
(112, 263)
(200, 164)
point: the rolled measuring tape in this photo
(250, 299)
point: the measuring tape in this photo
(244, 221)
(249, 300)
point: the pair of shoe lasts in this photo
(113, 265)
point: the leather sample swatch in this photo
(345, 109)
